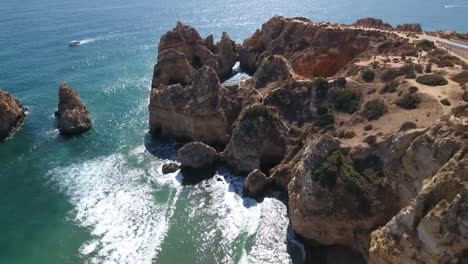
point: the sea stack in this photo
(73, 118)
(12, 115)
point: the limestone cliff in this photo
(12, 115)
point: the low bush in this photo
(432, 80)
(418, 68)
(326, 120)
(409, 101)
(321, 86)
(347, 101)
(368, 75)
(374, 109)
(322, 110)
(425, 45)
(461, 77)
(390, 87)
(341, 82)
(428, 68)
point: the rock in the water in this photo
(170, 168)
(73, 118)
(192, 111)
(414, 28)
(255, 183)
(257, 140)
(12, 115)
(197, 155)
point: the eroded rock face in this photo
(12, 115)
(197, 155)
(312, 50)
(433, 228)
(191, 111)
(255, 183)
(73, 118)
(182, 51)
(257, 140)
(371, 22)
(415, 28)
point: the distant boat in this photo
(74, 43)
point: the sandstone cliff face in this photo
(433, 227)
(73, 118)
(12, 115)
(191, 111)
(257, 140)
(313, 50)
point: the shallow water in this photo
(100, 198)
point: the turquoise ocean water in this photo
(100, 198)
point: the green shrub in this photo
(347, 101)
(418, 68)
(326, 120)
(461, 77)
(432, 80)
(341, 82)
(374, 109)
(368, 76)
(322, 110)
(321, 86)
(390, 87)
(409, 101)
(426, 45)
(390, 74)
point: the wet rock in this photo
(170, 168)
(73, 118)
(197, 155)
(255, 183)
(12, 115)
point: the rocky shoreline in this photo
(351, 121)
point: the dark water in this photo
(100, 198)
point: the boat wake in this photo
(455, 6)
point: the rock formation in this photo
(12, 115)
(191, 111)
(170, 168)
(197, 155)
(73, 118)
(182, 51)
(378, 167)
(415, 28)
(371, 22)
(312, 50)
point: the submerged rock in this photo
(12, 115)
(197, 155)
(170, 168)
(73, 118)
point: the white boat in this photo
(74, 43)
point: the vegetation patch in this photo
(368, 75)
(409, 101)
(461, 77)
(432, 80)
(426, 45)
(443, 59)
(326, 120)
(390, 87)
(374, 109)
(347, 101)
(321, 86)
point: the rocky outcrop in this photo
(191, 111)
(414, 28)
(255, 183)
(274, 68)
(312, 50)
(170, 168)
(197, 155)
(182, 51)
(257, 140)
(12, 115)
(371, 22)
(73, 118)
